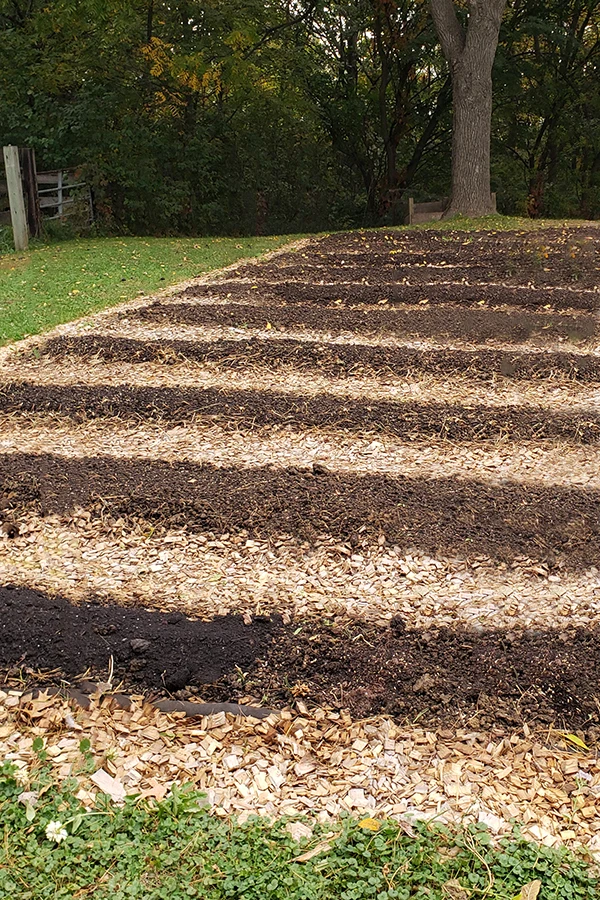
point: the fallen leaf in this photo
(370, 824)
(530, 891)
(573, 739)
(454, 890)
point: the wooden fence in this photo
(63, 194)
(58, 194)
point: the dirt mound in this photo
(439, 322)
(418, 274)
(348, 295)
(339, 360)
(443, 516)
(445, 675)
(435, 677)
(157, 650)
(257, 409)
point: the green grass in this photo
(56, 283)
(496, 223)
(177, 850)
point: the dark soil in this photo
(491, 677)
(420, 274)
(42, 632)
(553, 257)
(341, 360)
(348, 295)
(450, 322)
(443, 516)
(485, 678)
(549, 246)
(257, 409)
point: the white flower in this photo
(21, 774)
(55, 831)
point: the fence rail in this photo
(56, 194)
(61, 194)
(431, 211)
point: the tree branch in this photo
(450, 31)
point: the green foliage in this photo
(176, 849)
(267, 116)
(55, 283)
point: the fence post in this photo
(30, 191)
(411, 210)
(60, 193)
(15, 197)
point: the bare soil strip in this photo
(334, 360)
(74, 639)
(439, 322)
(559, 394)
(141, 331)
(255, 409)
(443, 516)
(559, 237)
(562, 244)
(442, 677)
(197, 443)
(553, 258)
(446, 676)
(349, 294)
(421, 274)
(211, 575)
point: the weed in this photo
(53, 847)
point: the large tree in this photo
(469, 45)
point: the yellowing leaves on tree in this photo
(159, 54)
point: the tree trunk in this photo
(470, 52)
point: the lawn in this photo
(56, 283)
(53, 848)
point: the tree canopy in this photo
(253, 116)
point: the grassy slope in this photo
(59, 282)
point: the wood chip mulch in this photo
(316, 763)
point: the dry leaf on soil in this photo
(573, 739)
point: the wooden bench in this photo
(431, 211)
